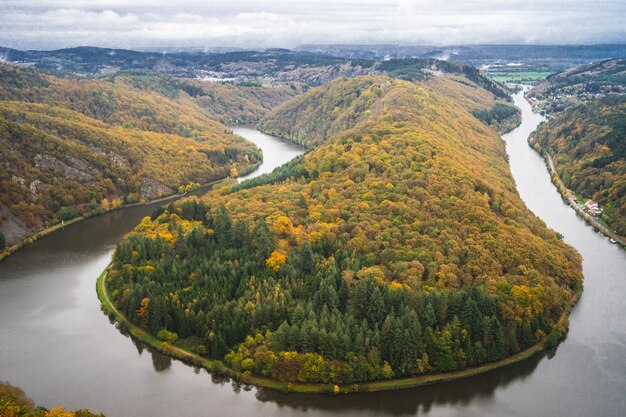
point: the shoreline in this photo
(302, 387)
(568, 196)
(30, 239)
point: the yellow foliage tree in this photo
(283, 226)
(275, 261)
(142, 311)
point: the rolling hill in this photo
(578, 85)
(78, 147)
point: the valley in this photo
(386, 241)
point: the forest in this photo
(396, 246)
(588, 147)
(80, 147)
(580, 84)
(15, 403)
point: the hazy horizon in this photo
(54, 24)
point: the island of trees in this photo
(397, 246)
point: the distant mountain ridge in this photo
(272, 65)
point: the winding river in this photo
(57, 344)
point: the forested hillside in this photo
(72, 147)
(578, 85)
(397, 246)
(313, 118)
(588, 147)
(228, 103)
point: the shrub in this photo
(67, 213)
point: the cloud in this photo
(281, 23)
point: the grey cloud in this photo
(141, 23)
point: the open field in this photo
(526, 77)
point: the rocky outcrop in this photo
(118, 160)
(13, 228)
(152, 189)
(35, 189)
(18, 180)
(75, 168)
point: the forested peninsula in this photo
(397, 246)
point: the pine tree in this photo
(263, 241)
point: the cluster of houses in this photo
(592, 208)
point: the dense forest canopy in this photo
(70, 147)
(396, 246)
(311, 119)
(588, 146)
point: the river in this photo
(57, 344)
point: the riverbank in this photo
(9, 250)
(569, 196)
(299, 387)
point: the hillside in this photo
(397, 246)
(588, 147)
(313, 118)
(578, 85)
(15, 403)
(73, 147)
(275, 65)
(225, 102)
(278, 67)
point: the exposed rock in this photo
(18, 180)
(96, 149)
(152, 189)
(77, 169)
(35, 188)
(13, 228)
(81, 165)
(119, 160)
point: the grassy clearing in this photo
(527, 77)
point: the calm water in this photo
(56, 343)
(275, 153)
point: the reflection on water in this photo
(56, 343)
(415, 401)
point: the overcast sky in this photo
(47, 24)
